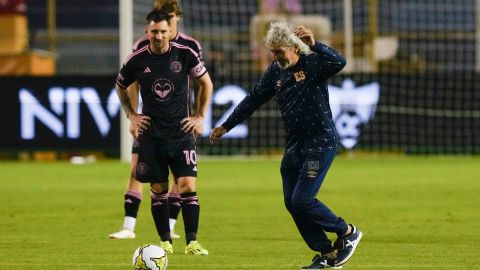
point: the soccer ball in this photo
(149, 257)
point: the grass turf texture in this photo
(415, 213)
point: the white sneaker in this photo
(174, 235)
(123, 234)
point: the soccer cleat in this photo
(322, 262)
(194, 248)
(174, 235)
(167, 246)
(123, 234)
(346, 245)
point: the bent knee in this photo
(186, 184)
(302, 204)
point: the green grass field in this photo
(415, 213)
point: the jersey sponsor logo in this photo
(176, 66)
(352, 106)
(147, 70)
(162, 87)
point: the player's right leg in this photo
(153, 168)
(184, 168)
(293, 171)
(160, 214)
(132, 200)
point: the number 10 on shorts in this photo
(190, 157)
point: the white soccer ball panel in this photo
(149, 257)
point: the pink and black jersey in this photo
(164, 86)
(180, 38)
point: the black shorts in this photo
(135, 146)
(155, 157)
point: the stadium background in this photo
(410, 87)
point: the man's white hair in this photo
(281, 34)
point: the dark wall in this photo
(75, 14)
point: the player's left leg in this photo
(314, 169)
(184, 168)
(315, 238)
(191, 214)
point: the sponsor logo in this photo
(312, 174)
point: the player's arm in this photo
(125, 78)
(332, 61)
(133, 91)
(203, 97)
(198, 93)
(198, 88)
(140, 121)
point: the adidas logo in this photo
(147, 70)
(195, 168)
(128, 200)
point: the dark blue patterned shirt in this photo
(302, 96)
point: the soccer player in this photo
(298, 78)
(166, 140)
(133, 195)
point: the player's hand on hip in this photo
(133, 130)
(142, 122)
(190, 124)
(216, 134)
(305, 34)
(197, 131)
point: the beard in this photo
(283, 64)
